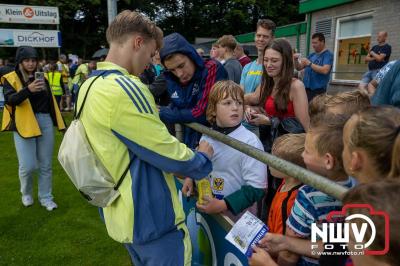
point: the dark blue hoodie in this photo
(189, 101)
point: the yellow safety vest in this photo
(64, 71)
(54, 79)
(21, 117)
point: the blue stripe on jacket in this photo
(129, 94)
(140, 92)
(121, 80)
(154, 213)
(197, 167)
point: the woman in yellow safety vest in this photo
(31, 111)
(56, 84)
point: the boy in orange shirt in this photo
(288, 147)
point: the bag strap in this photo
(97, 74)
(123, 175)
(284, 207)
(76, 116)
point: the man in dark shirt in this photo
(241, 55)
(377, 58)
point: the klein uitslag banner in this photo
(35, 38)
(29, 14)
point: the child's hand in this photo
(259, 119)
(212, 205)
(187, 188)
(206, 148)
(249, 113)
(274, 243)
(261, 258)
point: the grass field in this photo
(73, 234)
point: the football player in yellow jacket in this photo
(122, 124)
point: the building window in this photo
(324, 27)
(353, 37)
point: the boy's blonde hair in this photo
(318, 104)
(377, 131)
(290, 147)
(349, 102)
(227, 41)
(220, 91)
(327, 130)
(129, 22)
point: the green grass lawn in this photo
(73, 234)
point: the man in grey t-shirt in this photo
(231, 64)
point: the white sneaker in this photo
(27, 200)
(49, 205)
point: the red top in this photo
(271, 111)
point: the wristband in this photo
(310, 64)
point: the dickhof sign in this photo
(29, 14)
(35, 38)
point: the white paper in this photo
(246, 232)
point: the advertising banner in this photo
(29, 14)
(35, 38)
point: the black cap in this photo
(25, 52)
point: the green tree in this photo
(213, 18)
(83, 23)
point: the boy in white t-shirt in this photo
(238, 181)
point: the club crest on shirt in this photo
(218, 184)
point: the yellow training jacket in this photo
(122, 124)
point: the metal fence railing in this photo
(216, 226)
(306, 177)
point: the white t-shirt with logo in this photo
(233, 169)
